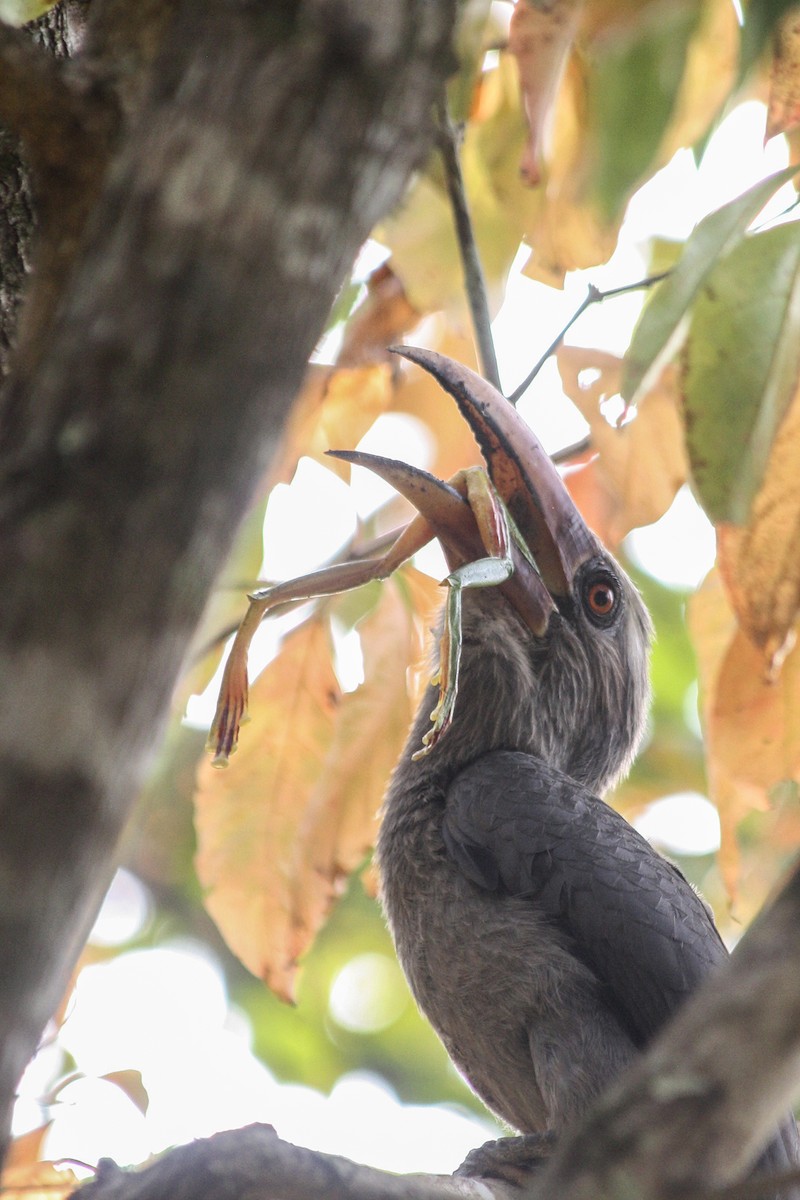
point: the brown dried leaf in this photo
(783, 108)
(760, 562)
(37, 1181)
(247, 816)
(540, 37)
(335, 408)
(752, 726)
(341, 820)
(644, 461)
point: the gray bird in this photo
(543, 937)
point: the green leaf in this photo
(19, 12)
(633, 93)
(742, 362)
(661, 326)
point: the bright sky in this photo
(164, 1012)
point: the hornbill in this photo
(542, 936)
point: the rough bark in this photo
(59, 33)
(254, 1162)
(269, 141)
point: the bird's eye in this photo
(601, 600)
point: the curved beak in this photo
(529, 484)
(465, 531)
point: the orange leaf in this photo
(540, 37)
(644, 461)
(760, 563)
(248, 816)
(783, 109)
(597, 502)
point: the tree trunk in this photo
(252, 161)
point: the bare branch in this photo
(254, 1162)
(593, 296)
(470, 259)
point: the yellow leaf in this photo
(643, 461)
(334, 410)
(752, 726)
(38, 1181)
(247, 817)
(567, 231)
(596, 500)
(540, 38)
(421, 235)
(130, 1082)
(783, 109)
(280, 830)
(760, 563)
(712, 63)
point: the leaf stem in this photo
(593, 296)
(449, 139)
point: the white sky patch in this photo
(164, 1012)
(684, 823)
(393, 435)
(680, 548)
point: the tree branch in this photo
(593, 296)
(470, 259)
(272, 140)
(254, 1162)
(698, 1108)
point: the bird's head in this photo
(555, 659)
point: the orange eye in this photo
(601, 599)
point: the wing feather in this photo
(515, 824)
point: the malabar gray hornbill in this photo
(542, 936)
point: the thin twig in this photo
(593, 296)
(474, 280)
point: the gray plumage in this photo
(544, 939)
